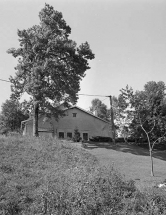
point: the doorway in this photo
(85, 136)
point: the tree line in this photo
(140, 115)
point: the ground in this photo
(43, 176)
(132, 161)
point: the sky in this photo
(127, 37)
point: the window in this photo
(61, 135)
(69, 135)
(74, 114)
(85, 136)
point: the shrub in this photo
(100, 139)
(4, 131)
(76, 137)
(119, 140)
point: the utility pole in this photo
(112, 120)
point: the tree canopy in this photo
(99, 109)
(123, 116)
(11, 115)
(149, 107)
(149, 112)
(50, 64)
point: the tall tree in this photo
(99, 109)
(50, 65)
(149, 113)
(11, 115)
(123, 115)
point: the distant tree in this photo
(50, 65)
(149, 113)
(11, 115)
(100, 109)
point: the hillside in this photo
(39, 176)
(132, 161)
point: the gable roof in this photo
(70, 109)
(88, 113)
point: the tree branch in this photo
(152, 128)
(158, 139)
(145, 133)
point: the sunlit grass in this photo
(133, 162)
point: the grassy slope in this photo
(29, 166)
(40, 176)
(133, 162)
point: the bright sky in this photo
(127, 37)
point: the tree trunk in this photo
(152, 172)
(35, 119)
(150, 151)
(125, 139)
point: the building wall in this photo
(87, 124)
(43, 125)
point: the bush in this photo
(76, 137)
(119, 140)
(130, 140)
(4, 131)
(100, 139)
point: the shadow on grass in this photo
(128, 148)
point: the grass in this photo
(27, 167)
(132, 161)
(45, 176)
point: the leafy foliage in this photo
(100, 139)
(99, 109)
(149, 113)
(76, 137)
(150, 110)
(50, 65)
(11, 116)
(123, 115)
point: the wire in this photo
(104, 99)
(91, 95)
(78, 93)
(4, 80)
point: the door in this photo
(69, 135)
(85, 136)
(61, 135)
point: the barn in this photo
(75, 117)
